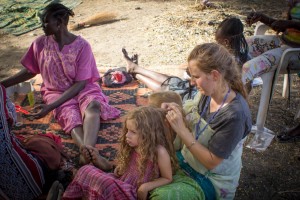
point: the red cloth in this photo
(48, 148)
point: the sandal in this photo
(285, 138)
(133, 58)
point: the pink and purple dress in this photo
(92, 183)
(60, 69)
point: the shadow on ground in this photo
(14, 55)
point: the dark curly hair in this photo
(232, 29)
(58, 11)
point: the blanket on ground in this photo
(124, 98)
(21, 16)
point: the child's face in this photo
(222, 40)
(132, 135)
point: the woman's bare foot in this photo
(92, 154)
(131, 62)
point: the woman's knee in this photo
(93, 107)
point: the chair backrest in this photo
(285, 60)
(261, 29)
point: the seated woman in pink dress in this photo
(68, 68)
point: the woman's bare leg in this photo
(88, 133)
(77, 135)
(135, 69)
(150, 83)
(160, 78)
(91, 123)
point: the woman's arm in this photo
(67, 95)
(200, 152)
(282, 25)
(21, 76)
(165, 170)
(277, 25)
(254, 17)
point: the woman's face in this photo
(203, 81)
(49, 25)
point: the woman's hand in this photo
(253, 17)
(43, 110)
(174, 116)
(142, 192)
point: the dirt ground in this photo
(163, 33)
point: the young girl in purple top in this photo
(67, 66)
(146, 160)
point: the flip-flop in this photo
(125, 54)
(285, 138)
(54, 191)
(133, 58)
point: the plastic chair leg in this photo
(297, 115)
(285, 88)
(264, 100)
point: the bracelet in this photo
(189, 147)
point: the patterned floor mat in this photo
(125, 98)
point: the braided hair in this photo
(58, 11)
(232, 29)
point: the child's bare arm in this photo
(165, 170)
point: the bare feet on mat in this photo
(131, 62)
(56, 191)
(83, 160)
(91, 153)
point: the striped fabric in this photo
(93, 184)
(20, 173)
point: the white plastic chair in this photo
(270, 79)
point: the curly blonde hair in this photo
(212, 56)
(153, 130)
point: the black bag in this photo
(116, 77)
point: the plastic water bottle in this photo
(31, 99)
